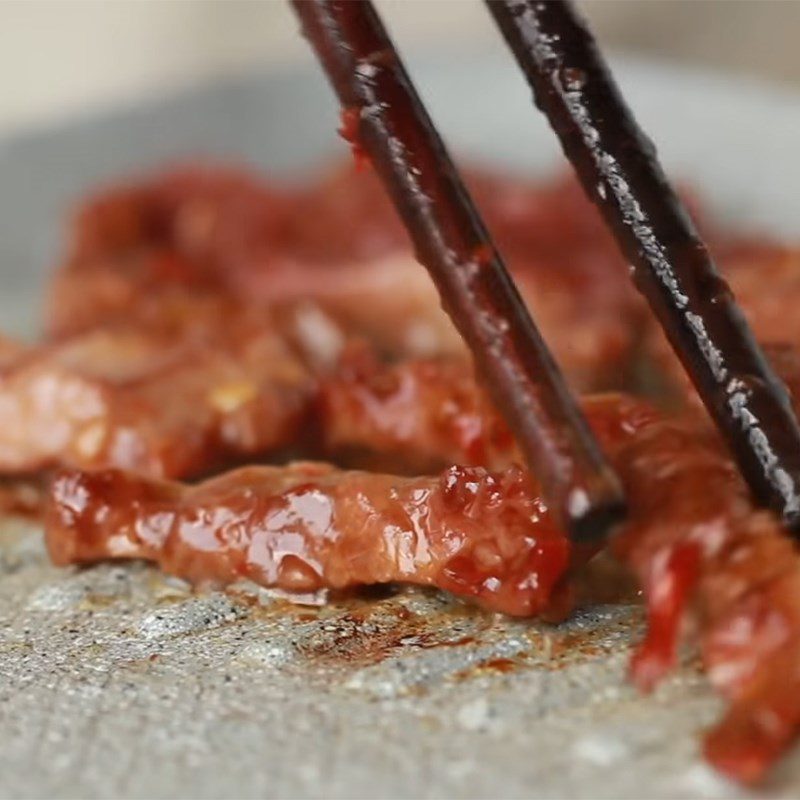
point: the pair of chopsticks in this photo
(617, 166)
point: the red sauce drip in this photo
(350, 119)
(669, 589)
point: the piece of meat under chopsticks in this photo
(201, 386)
(308, 527)
(338, 244)
(482, 535)
(705, 558)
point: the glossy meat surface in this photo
(308, 527)
(338, 243)
(201, 388)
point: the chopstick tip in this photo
(593, 522)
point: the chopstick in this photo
(617, 165)
(384, 116)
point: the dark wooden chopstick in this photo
(617, 165)
(382, 110)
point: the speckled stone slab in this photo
(118, 682)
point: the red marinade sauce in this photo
(350, 119)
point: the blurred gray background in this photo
(59, 58)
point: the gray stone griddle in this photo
(117, 682)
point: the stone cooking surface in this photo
(119, 682)
(116, 682)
